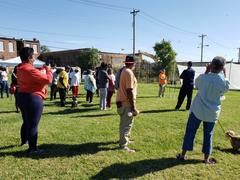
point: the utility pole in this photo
(238, 55)
(134, 13)
(202, 36)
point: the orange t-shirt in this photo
(127, 81)
(162, 78)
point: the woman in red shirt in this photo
(32, 91)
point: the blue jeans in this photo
(191, 129)
(4, 87)
(103, 98)
(31, 107)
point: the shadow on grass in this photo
(161, 110)
(89, 105)
(6, 112)
(64, 150)
(139, 168)
(231, 150)
(94, 115)
(145, 97)
(71, 111)
(7, 147)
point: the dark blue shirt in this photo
(188, 77)
(102, 79)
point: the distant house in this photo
(10, 47)
(69, 57)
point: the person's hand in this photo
(135, 112)
(208, 68)
(47, 67)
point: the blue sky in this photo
(107, 25)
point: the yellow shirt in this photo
(64, 76)
(127, 81)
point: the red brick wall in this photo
(6, 54)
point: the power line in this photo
(219, 44)
(101, 5)
(49, 33)
(167, 24)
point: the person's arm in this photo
(130, 96)
(182, 75)
(40, 77)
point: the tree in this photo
(88, 58)
(44, 49)
(165, 57)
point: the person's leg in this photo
(181, 97)
(91, 97)
(87, 95)
(104, 98)
(191, 129)
(125, 126)
(189, 97)
(1, 88)
(208, 129)
(62, 93)
(159, 91)
(7, 89)
(101, 94)
(52, 92)
(55, 90)
(163, 89)
(23, 103)
(35, 114)
(108, 98)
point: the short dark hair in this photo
(189, 63)
(109, 71)
(103, 65)
(218, 63)
(26, 53)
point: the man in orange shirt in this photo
(162, 83)
(126, 102)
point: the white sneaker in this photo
(128, 149)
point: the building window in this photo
(35, 48)
(27, 45)
(1, 46)
(10, 47)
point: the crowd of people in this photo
(30, 91)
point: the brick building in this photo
(10, 47)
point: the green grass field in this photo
(82, 143)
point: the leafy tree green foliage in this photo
(44, 49)
(88, 58)
(165, 57)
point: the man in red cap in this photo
(126, 102)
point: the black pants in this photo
(89, 96)
(185, 90)
(62, 94)
(31, 107)
(53, 91)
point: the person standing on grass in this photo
(75, 81)
(103, 85)
(111, 87)
(15, 84)
(162, 83)
(89, 86)
(5, 86)
(126, 102)
(206, 107)
(187, 87)
(32, 90)
(54, 89)
(62, 85)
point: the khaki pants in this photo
(125, 125)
